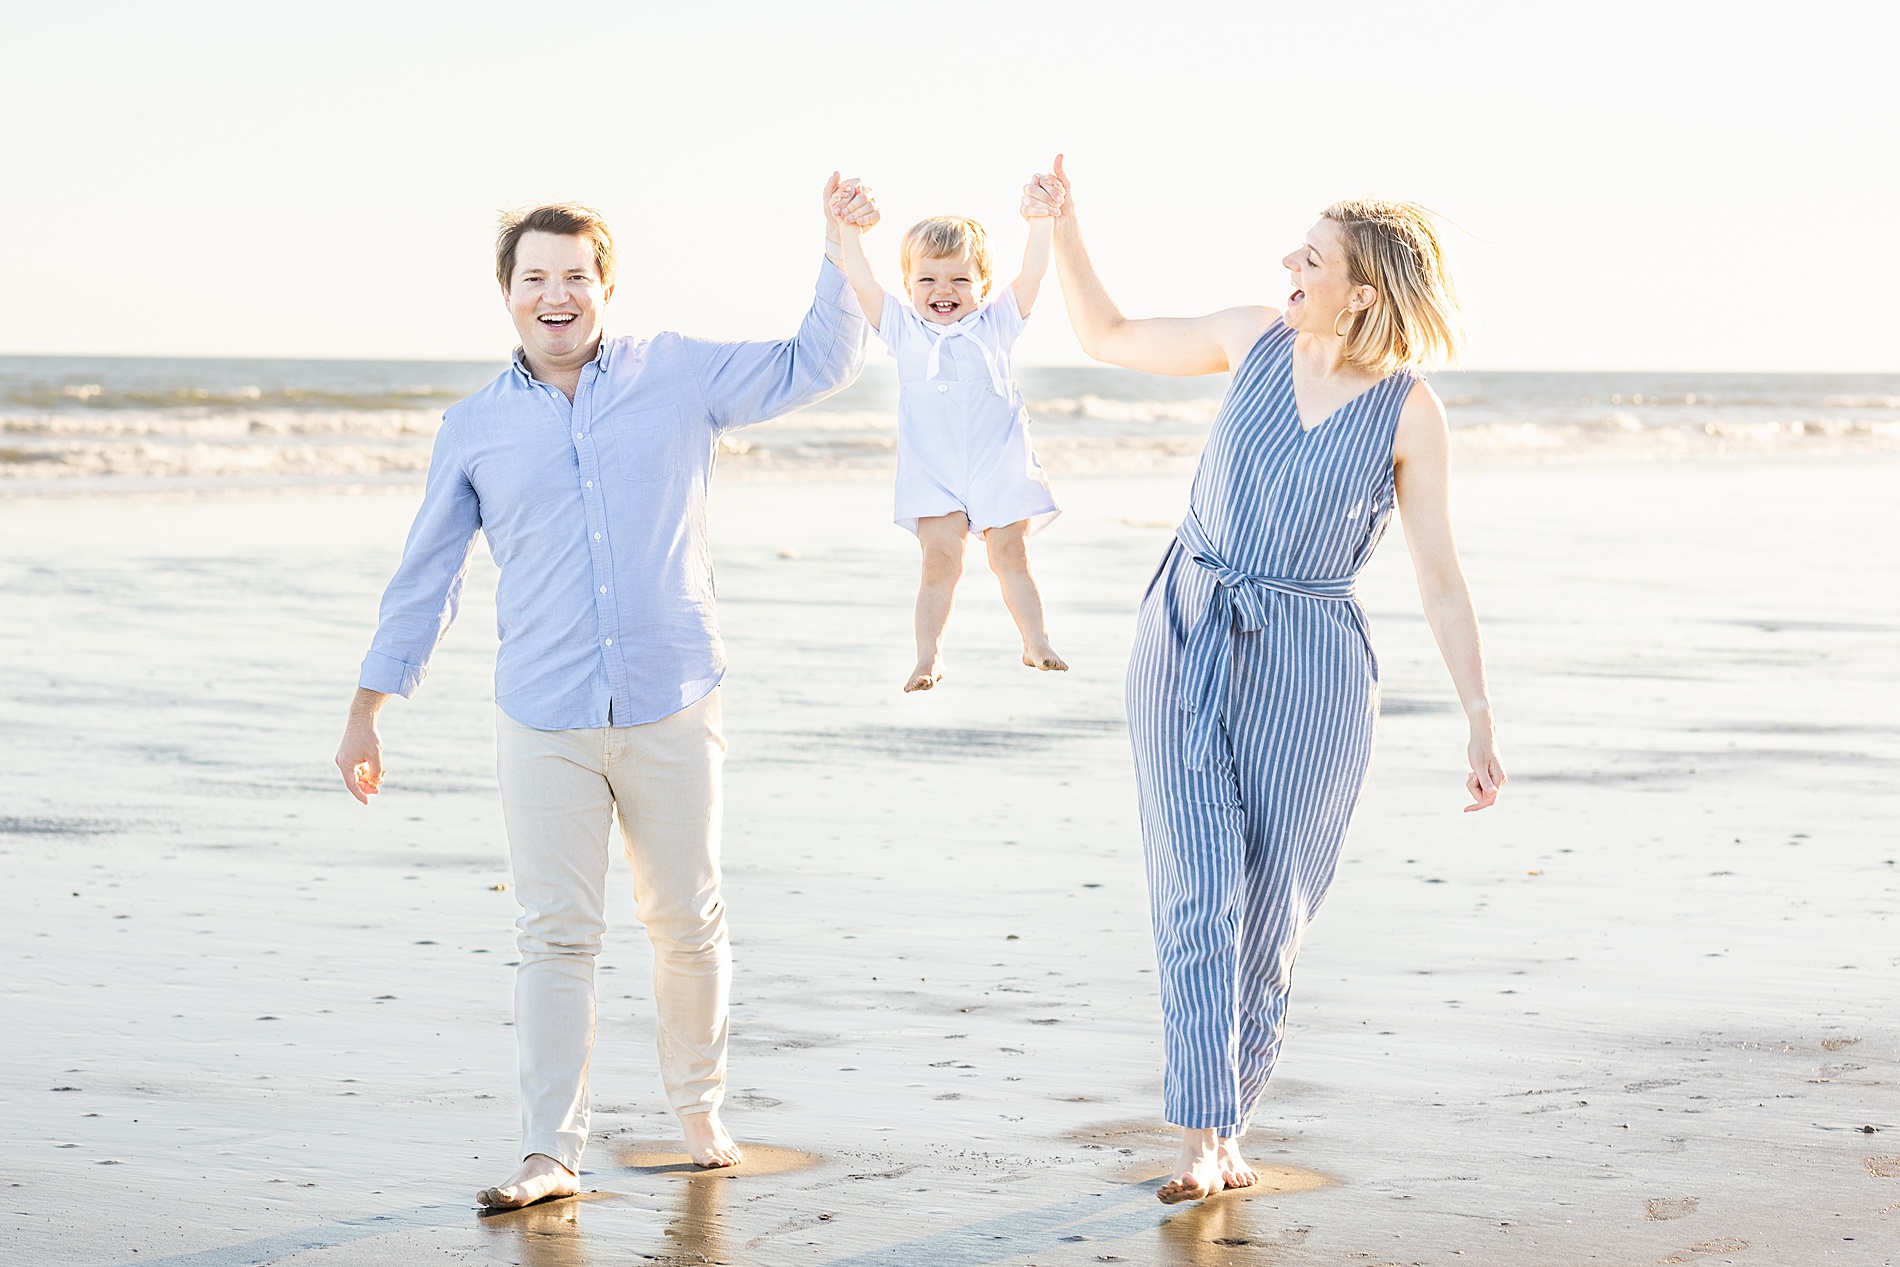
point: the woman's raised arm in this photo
(1157, 345)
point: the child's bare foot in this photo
(1234, 1170)
(540, 1178)
(707, 1141)
(1198, 1176)
(926, 675)
(1043, 656)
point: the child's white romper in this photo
(962, 429)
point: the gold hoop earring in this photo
(1343, 312)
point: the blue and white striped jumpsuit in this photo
(1252, 695)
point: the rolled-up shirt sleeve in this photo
(426, 592)
(744, 383)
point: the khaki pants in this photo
(559, 789)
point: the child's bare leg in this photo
(941, 537)
(1009, 558)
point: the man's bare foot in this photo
(926, 675)
(1234, 1170)
(1198, 1176)
(539, 1179)
(707, 1141)
(1043, 656)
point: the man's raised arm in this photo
(744, 383)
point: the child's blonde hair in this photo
(1392, 247)
(947, 237)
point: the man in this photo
(586, 464)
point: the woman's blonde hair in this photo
(946, 237)
(1393, 248)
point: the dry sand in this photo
(1641, 1013)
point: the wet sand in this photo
(1642, 1013)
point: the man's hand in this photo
(849, 204)
(1046, 196)
(360, 755)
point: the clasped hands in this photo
(849, 202)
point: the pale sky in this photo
(1655, 185)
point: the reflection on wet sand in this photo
(696, 1232)
(1225, 1231)
(1220, 1232)
(551, 1234)
(1230, 1228)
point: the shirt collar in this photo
(603, 359)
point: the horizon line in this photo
(1031, 365)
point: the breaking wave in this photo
(104, 422)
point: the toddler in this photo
(964, 460)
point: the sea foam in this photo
(98, 421)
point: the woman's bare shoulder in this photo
(1240, 328)
(1422, 421)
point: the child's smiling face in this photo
(943, 289)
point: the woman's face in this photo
(1321, 286)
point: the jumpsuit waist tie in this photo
(1238, 604)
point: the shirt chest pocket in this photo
(651, 441)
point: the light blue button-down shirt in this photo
(595, 511)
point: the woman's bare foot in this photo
(539, 1179)
(1234, 1170)
(1198, 1176)
(707, 1141)
(926, 675)
(1043, 656)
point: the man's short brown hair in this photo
(568, 219)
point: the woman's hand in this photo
(1046, 196)
(1487, 775)
(1043, 198)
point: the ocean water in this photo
(102, 423)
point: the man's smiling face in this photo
(556, 296)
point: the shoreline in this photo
(117, 487)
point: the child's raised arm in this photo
(851, 257)
(1042, 230)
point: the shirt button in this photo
(943, 387)
(589, 484)
(597, 536)
(579, 435)
(603, 589)
(610, 642)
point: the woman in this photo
(1253, 690)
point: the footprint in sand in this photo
(1661, 1209)
(1707, 1249)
